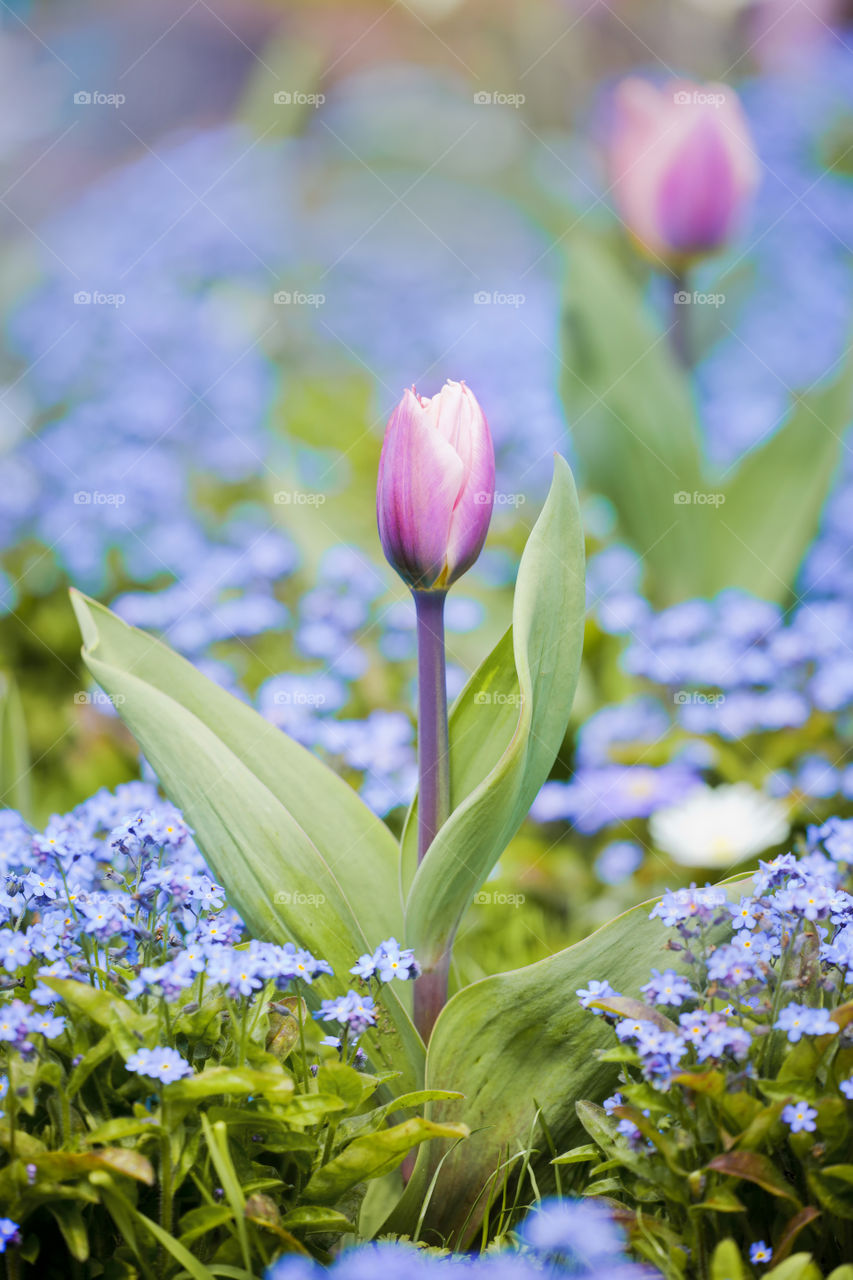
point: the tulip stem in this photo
(430, 993)
(680, 327)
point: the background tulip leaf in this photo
(759, 537)
(634, 425)
(300, 855)
(506, 726)
(632, 417)
(516, 1043)
(15, 790)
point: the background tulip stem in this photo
(679, 332)
(430, 993)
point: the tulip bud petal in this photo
(436, 486)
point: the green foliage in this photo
(634, 424)
(519, 1047)
(107, 1162)
(15, 790)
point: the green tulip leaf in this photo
(300, 856)
(632, 419)
(506, 726)
(518, 1045)
(758, 537)
(634, 425)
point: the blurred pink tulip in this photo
(682, 167)
(436, 486)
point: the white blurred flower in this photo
(718, 826)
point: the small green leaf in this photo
(726, 1263)
(315, 1217)
(228, 1081)
(64, 1165)
(69, 1217)
(721, 1200)
(374, 1155)
(752, 1167)
(207, 1217)
(579, 1155)
(800, 1267)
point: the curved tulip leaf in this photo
(515, 1044)
(299, 854)
(506, 726)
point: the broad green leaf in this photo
(726, 1263)
(758, 537)
(631, 417)
(373, 1155)
(299, 854)
(15, 789)
(844, 1272)
(516, 1044)
(506, 726)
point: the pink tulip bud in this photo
(436, 486)
(682, 167)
